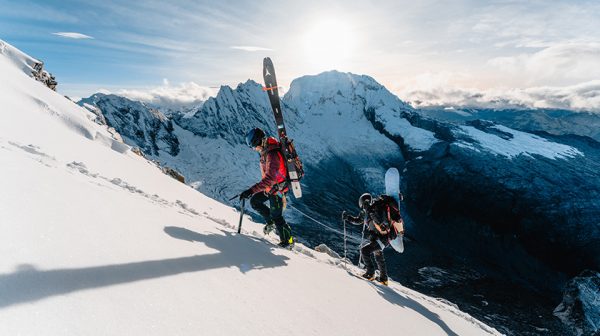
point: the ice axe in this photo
(242, 205)
(241, 215)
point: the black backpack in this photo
(393, 214)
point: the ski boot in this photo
(287, 244)
(382, 281)
(368, 276)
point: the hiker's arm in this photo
(270, 178)
(355, 220)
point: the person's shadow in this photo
(396, 298)
(28, 284)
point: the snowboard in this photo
(392, 188)
(273, 92)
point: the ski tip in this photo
(267, 60)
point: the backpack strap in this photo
(393, 223)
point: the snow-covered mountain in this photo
(138, 124)
(512, 205)
(97, 240)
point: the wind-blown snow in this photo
(518, 143)
(95, 240)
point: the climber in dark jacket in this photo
(377, 215)
(272, 187)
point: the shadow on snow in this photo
(403, 301)
(28, 284)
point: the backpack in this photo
(393, 216)
(292, 156)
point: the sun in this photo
(329, 44)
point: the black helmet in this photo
(364, 200)
(255, 137)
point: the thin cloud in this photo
(73, 35)
(250, 48)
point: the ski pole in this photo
(234, 197)
(362, 238)
(241, 215)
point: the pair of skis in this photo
(273, 93)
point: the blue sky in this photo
(426, 46)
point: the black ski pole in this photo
(241, 215)
(234, 197)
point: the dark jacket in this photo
(378, 223)
(272, 167)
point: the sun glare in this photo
(329, 44)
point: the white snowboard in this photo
(392, 188)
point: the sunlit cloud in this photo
(580, 97)
(184, 94)
(560, 63)
(72, 35)
(250, 48)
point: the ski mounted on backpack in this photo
(294, 167)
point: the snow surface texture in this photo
(97, 241)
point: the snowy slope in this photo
(18, 58)
(29, 65)
(95, 240)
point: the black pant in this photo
(272, 214)
(374, 248)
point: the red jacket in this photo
(272, 167)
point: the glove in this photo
(246, 194)
(345, 216)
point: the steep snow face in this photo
(354, 97)
(96, 240)
(328, 120)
